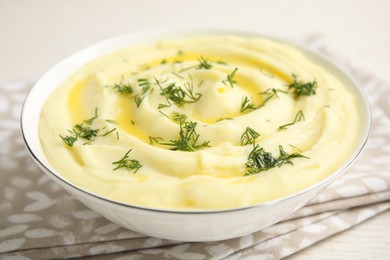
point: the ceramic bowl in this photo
(175, 224)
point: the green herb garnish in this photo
(177, 75)
(249, 136)
(129, 164)
(112, 121)
(82, 130)
(122, 87)
(178, 117)
(300, 88)
(270, 93)
(153, 140)
(230, 79)
(188, 140)
(177, 94)
(138, 100)
(246, 104)
(260, 160)
(204, 64)
(298, 118)
(69, 139)
(89, 121)
(285, 157)
(145, 85)
(224, 118)
(221, 62)
(109, 132)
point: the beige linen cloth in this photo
(39, 220)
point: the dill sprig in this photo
(230, 79)
(221, 62)
(82, 130)
(298, 118)
(285, 157)
(177, 75)
(109, 132)
(177, 94)
(138, 100)
(249, 136)
(129, 164)
(247, 104)
(260, 160)
(178, 117)
(153, 140)
(85, 132)
(122, 87)
(300, 88)
(69, 139)
(111, 121)
(89, 121)
(270, 93)
(144, 84)
(188, 140)
(146, 87)
(204, 64)
(224, 118)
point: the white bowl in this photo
(176, 224)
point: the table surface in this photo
(34, 35)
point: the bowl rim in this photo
(188, 32)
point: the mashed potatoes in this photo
(199, 123)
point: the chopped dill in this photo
(249, 136)
(112, 121)
(177, 75)
(224, 118)
(178, 117)
(109, 132)
(82, 130)
(270, 93)
(204, 64)
(146, 87)
(177, 94)
(122, 87)
(230, 79)
(188, 140)
(260, 160)
(129, 164)
(247, 104)
(153, 140)
(300, 88)
(299, 117)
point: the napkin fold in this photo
(39, 220)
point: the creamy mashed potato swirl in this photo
(222, 85)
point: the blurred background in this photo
(34, 35)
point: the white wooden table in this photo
(34, 35)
